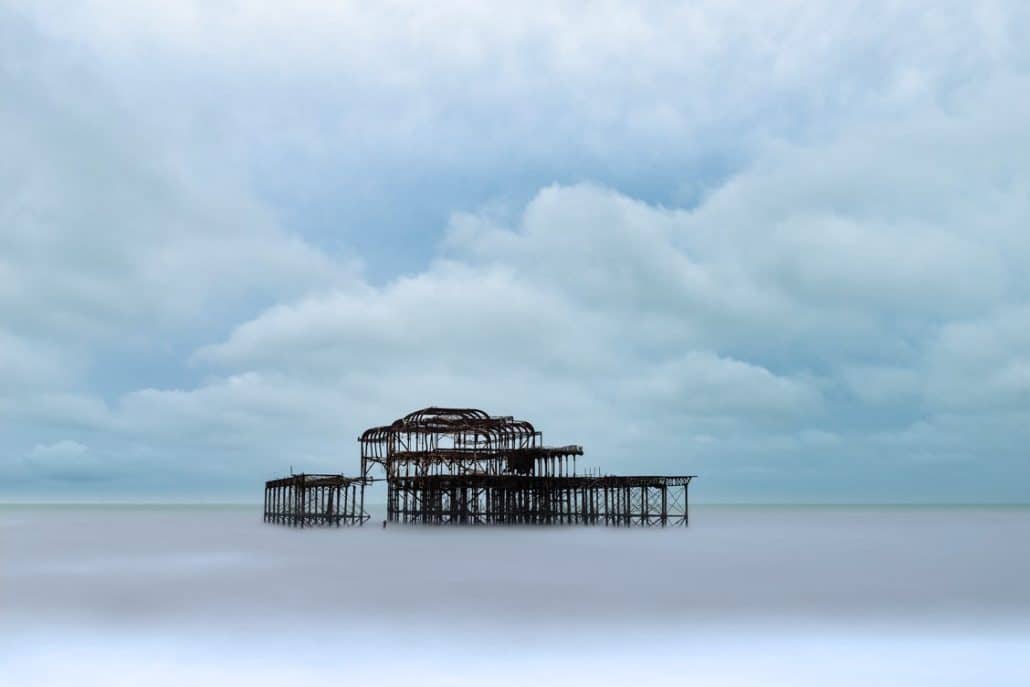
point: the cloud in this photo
(106, 226)
(770, 245)
(63, 449)
(505, 319)
(64, 461)
(386, 120)
(982, 364)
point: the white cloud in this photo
(104, 226)
(982, 364)
(64, 449)
(65, 460)
(770, 240)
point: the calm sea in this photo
(196, 595)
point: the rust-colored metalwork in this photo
(530, 500)
(310, 500)
(463, 466)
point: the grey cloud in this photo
(66, 448)
(781, 248)
(66, 460)
(103, 226)
(982, 364)
(393, 120)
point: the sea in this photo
(154, 595)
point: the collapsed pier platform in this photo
(461, 466)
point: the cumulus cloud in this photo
(65, 460)
(386, 120)
(110, 221)
(982, 364)
(777, 246)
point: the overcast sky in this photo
(782, 245)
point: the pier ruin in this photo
(461, 466)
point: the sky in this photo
(781, 245)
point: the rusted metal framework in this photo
(310, 500)
(462, 441)
(463, 466)
(528, 500)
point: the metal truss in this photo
(463, 466)
(311, 500)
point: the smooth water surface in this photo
(126, 595)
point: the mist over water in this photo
(746, 595)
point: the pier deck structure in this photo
(462, 466)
